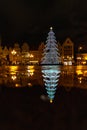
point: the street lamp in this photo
(13, 54)
(31, 56)
(80, 48)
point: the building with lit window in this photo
(67, 55)
(40, 51)
(23, 54)
(81, 59)
(34, 57)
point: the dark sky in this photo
(29, 20)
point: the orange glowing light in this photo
(13, 52)
(13, 77)
(51, 100)
(79, 72)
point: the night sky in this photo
(30, 20)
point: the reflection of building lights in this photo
(84, 62)
(13, 69)
(29, 84)
(31, 56)
(85, 58)
(80, 79)
(17, 85)
(67, 56)
(85, 73)
(31, 73)
(13, 77)
(44, 97)
(79, 67)
(30, 70)
(78, 58)
(79, 72)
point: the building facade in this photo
(67, 55)
(81, 59)
(23, 54)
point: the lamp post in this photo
(79, 58)
(80, 48)
(13, 56)
(31, 58)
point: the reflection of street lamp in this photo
(13, 77)
(85, 59)
(30, 70)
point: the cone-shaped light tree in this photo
(51, 52)
(51, 74)
(50, 68)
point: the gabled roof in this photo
(68, 42)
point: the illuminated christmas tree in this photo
(51, 76)
(51, 52)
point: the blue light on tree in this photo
(51, 76)
(51, 53)
(50, 65)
